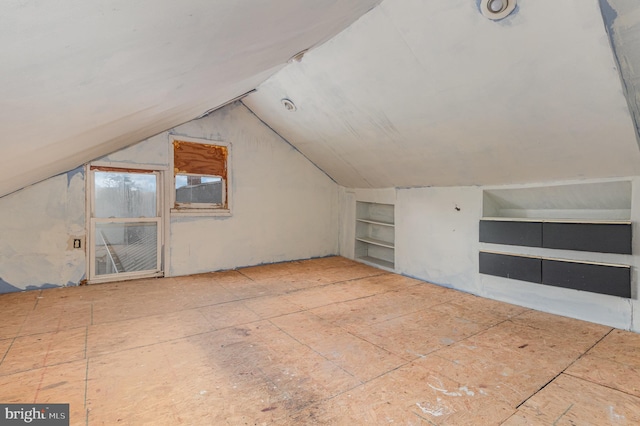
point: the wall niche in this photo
(594, 201)
(591, 217)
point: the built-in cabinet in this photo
(580, 218)
(375, 234)
(593, 236)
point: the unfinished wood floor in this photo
(323, 341)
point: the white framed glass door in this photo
(125, 229)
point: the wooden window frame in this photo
(200, 209)
(162, 212)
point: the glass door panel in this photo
(125, 247)
(125, 194)
(125, 224)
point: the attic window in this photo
(200, 177)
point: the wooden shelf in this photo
(532, 219)
(377, 262)
(376, 222)
(375, 242)
(375, 234)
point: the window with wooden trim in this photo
(200, 176)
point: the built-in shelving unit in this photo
(611, 236)
(580, 218)
(375, 234)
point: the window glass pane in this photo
(125, 194)
(126, 247)
(198, 189)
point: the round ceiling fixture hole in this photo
(289, 105)
(496, 6)
(497, 9)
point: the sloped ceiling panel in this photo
(80, 79)
(420, 93)
(622, 18)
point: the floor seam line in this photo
(177, 338)
(587, 350)
(86, 341)
(86, 392)
(57, 364)
(38, 297)
(313, 350)
(563, 414)
(600, 384)
(563, 370)
(13, 340)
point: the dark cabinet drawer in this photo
(614, 280)
(513, 233)
(515, 267)
(596, 237)
(596, 278)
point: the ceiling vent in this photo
(497, 9)
(298, 56)
(289, 105)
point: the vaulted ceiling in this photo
(433, 93)
(398, 93)
(81, 79)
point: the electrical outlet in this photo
(77, 243)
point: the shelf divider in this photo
(376, 222)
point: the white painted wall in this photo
(37, 228)
(284, 208)
(436, 240)
(152, 151)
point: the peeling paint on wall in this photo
(38, 225)
(608, 15)
(285, 209)
(72, 173)
(5, 287)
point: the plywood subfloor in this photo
(322, 341)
